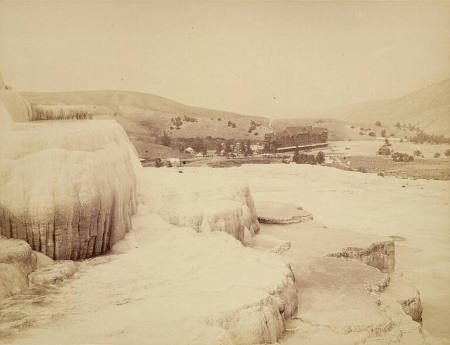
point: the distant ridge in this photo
(146, 116)
(427, 108)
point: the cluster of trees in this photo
(189, 119)
(303, 158)
(197, 144)
(165, 139)
(220, 145)
(421, 137)
(177, 122)
(231, 124)
(384, 150)
(417, 153)
(253, 126)
(411, 127)
(402, 157)
(230, 146)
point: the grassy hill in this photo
(145, 117)
(427, 108)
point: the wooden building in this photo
(292, 137)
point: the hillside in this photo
(427, 108)
(147, 116)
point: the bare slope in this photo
(427, 108)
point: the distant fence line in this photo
(59, 112)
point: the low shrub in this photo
(402, 157)
(384, 150)
(303, 158)
(417, 153)
(320, 158)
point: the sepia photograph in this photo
(224, 172)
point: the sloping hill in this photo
(145, 117)
(427, 108)
(141, 112)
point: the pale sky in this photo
(270, 58)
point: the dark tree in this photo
(219, 148)
(249, 148)
(320, 158)
(227, 149)
(296, 156)
(165, 139)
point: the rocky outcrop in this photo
(347, 301)
(402, 291)
(380, 255)
(21, 267)
(52, 274)
(68, 188)
(413, 307)
(16, 262)
(357, 300)
(263, 322)
(211, 206)
(192, 287)
(281, 213)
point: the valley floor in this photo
(360, 156)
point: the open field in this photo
(361, 156)
(419, 169)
